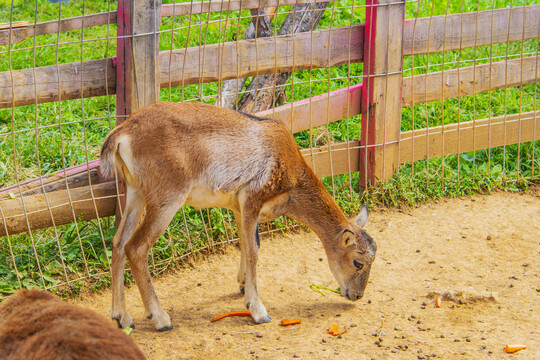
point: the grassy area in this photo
(39, 140)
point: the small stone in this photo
(393, 351)
(457, 340)
(353, 325)
(383, 333)
(422, 307)
(381, 339)
(413, 299)
(397, 329)
(482, 347)
(338, 315)
(259, 335)
(320, 259)
(489, 237)
(419, 321)
(468, 340)
(431, 261)
(296, 356)
(483, 338)
(252, 352)
(417, 250)
(442, 336)
(339, 337)
(369, 301)
(199, 284)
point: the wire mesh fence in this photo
(411, 99)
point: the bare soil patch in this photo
(479, 254)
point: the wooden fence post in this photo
(381, 94)
(137, 61)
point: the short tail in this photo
(107, 163)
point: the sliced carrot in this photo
(232, 313)
(514, 348)
(287, 322)
(438, 302)
(334, 330)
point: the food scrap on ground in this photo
(318, 288)
(232, 313)
(514, 348)
(287, 322)
(128, 330)
(438, 302)
(334, 330)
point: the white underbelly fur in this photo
(201, 197)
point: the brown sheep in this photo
(35, 324)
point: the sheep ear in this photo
(347, 238)
(362, 218)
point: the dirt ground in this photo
(480, 254)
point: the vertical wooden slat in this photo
(381, 96)
(137, 55)
(137, 65)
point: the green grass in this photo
(40, 140)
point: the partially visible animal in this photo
(35, 324)
(171, 154)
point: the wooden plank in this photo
(199, 7)
(137, 55)
(469, 136)
(14, 32)
(13, 216)
(344, 158)
(460, 31)
(285, 53)
(53, 26)
(381, 105)
(319, 110)
(94, 72)
(14, 25)
(472, 80)
(47, 86)
(83, 177)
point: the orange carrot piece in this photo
(514, 348)
(334, 330)
(438, 302)
(287, 322)
(232, 313)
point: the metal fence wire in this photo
(423, 97)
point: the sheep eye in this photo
(358, 265)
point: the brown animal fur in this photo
(35, 324)
(170, 154)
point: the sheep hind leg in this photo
(154, 224)
(132, 214)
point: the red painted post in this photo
(381, 93)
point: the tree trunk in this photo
(263, 90)
(259, 27)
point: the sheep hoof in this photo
(165, 328)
